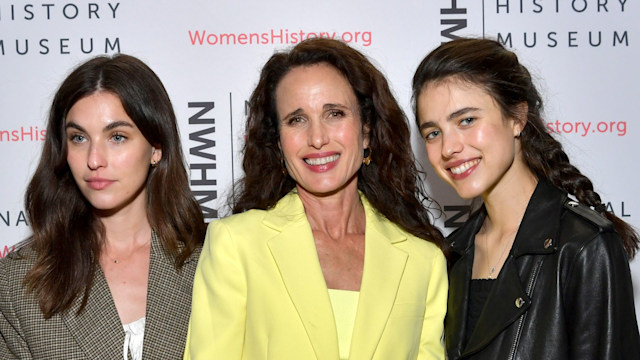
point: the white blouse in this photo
(134, 335)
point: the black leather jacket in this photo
(563, 293)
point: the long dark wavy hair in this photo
(67, 236)
(486, 63)
(390, 183)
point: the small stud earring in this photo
(154, 163)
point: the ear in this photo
(156, 154)
(520, 120)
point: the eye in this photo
(336, 113)
(119, 138)
(430, 135)
(294, 120)
(77, 138)
(467, 121)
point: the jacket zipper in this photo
(516, 339)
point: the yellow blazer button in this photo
(548, 243)
(519, 302)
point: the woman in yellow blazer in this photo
(331, 254)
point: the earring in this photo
(283, 166)
(154, 163)
(367, 157)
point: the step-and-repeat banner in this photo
(583, 54)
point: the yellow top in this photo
(345, 306)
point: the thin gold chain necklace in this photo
(492, 269)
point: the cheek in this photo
(285, 143)
(433, 153)
(75, 161)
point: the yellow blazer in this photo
(259, 292)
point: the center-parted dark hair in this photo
(390, 183)
(486, 63)
(67, 236)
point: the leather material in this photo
(564, 291)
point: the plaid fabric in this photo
(97, 332)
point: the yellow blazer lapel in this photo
(295, 254)
(384, 266)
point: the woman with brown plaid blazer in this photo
(108, 270)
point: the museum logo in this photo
(202, 166)
(559, 23)
(43, 23)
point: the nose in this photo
(96, 158)
(318, 136)
(451, 144)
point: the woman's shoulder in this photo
(287, 210)
(585, 232)
(586, 216)
(243, 220)
(580, 223)
(18, 261)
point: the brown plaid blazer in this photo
(97, 332)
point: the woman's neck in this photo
(128, 226)
(337, 214)
(507, 202)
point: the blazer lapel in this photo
(295, 254)
(384, 266)
(97, 330)
(168, 304)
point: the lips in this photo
(462, 169)
(321, 162)
(97, 183)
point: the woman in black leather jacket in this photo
(538, 275)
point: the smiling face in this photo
(468, 141)
(321, 134)
(107, 154)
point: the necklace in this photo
(117, 261)
(492, 269)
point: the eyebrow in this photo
(329, 106)
(111, 126)
(451, 116)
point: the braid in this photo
(546, 157)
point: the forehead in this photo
(98, 108)
(313, 83)
(440, 98)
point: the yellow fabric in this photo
(259, 292)
(345, 305)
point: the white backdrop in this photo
(208, 54)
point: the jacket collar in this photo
(293, 249)
(98, 329)
(541, 220)
(536, 235)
